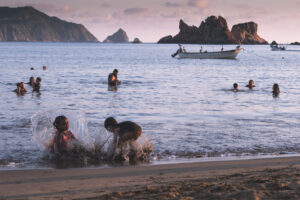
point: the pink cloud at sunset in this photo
(151, 20)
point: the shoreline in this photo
(166, 181)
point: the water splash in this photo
(89, 149)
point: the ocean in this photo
(184, 106)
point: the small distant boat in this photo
(275, 47)
(228, 54)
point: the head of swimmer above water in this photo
(235, 86)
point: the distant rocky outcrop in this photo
(246, 33)
(295, 43)
(214, 30)
(119, 37)
(29, 24)
(137, 41)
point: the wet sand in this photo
(270, 178)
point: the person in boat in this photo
(37, 84)
(250, 84)
(276, 90)
(222, 49)
(63, 137)
(180, 48)
(21, 90)
(31, 81)
(183, 49)
(124, 133)
(201, 49)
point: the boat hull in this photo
(232, 54)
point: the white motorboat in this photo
(277, 48)
(228, 54)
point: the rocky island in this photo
(214, 30)
(118, 37)
(30, 25)
(295, 43)
(136, 41)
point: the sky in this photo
(150, 20)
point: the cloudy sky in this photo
(150, 20)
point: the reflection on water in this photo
(183, 106)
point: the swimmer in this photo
(63, 137)
(124, 133)
(31, 81)
(31, 68)
(235, 87)
(21, 90)
(113, 78)
(276, 90)
(37, 84)
(250, 84)
(44, 67)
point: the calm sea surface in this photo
(184, 106)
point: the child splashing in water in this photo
(63, 137)
(124, 133)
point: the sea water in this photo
(184, 106)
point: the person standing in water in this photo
(276, 90)
(113, 78)
(31, 81)
(63, 137)
(250, 84)
(124, 133)
(21, 90)
(37, 84)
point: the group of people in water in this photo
(275, 88)
(34, 83)
(124, 134)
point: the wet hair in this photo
(110, 122)
(18, 84)
(31, 78)
(58, 119)
(39, 79)
(251, 81)
(235, 85)
(115, 71)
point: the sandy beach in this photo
(268, 178)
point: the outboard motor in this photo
(175, 54)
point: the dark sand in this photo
(271, 178)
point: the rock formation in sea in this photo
(137, 41)
(214, 30)
(31, 25)
(295, 43)
(118, 37)
(246, 33)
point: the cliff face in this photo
(29, 24)
(119, 37)
(214, 30)
(246, 33)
